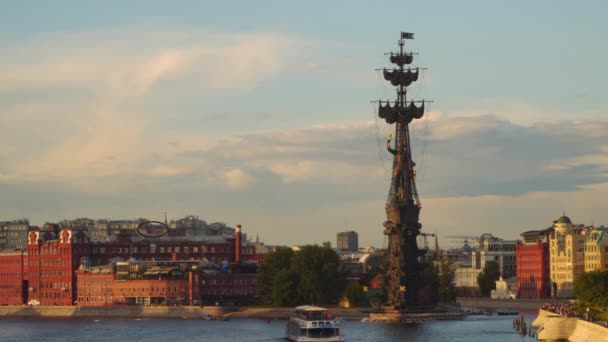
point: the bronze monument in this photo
(408, 282)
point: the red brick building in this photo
(44, 274)
(13, 289)
(225, 285)
(52, 258)
(532, 257)
(165, 283)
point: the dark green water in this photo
(474, 328)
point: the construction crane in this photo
(426, 241)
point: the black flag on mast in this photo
(407, 35)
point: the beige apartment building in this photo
(567, 253)
(596, 250)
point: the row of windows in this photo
(241, 291)
(563, 276)
(53, 285)
(54, 274)
(52, 262)
(131, 290)
(55, 295)
(229, 282)
(55, 251)
(95, 299)
(10, 274)
(14, 234)
(595, 257)
(527, 267)
(10, 261)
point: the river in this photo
(470, 329)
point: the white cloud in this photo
(76, 127)
(236, 178)
(94, 124)
(298, 171)
(509, 216)
(168, 171)
(522, 113)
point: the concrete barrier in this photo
(555, 327)
(589, 332)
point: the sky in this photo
(258, 113)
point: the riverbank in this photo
(489, 303)
(177, 312)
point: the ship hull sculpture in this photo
(409, 283)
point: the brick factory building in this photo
(13, 289)
(230, 283)
(44, 274)
(52, 258)
(165, 283)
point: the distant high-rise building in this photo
(348, 241)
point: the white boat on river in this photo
(312, 323)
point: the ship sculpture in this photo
(408, 283)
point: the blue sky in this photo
(258, 113)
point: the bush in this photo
(354, 293)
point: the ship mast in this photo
(405, 284)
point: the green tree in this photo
(278, 260)
(284, 288)
(447, 293)
(321, 281)
(309, 276)
(487, 278)
(592, 288)
(354, 293)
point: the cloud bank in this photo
(83, 132)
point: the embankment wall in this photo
(113, 311)
(489, 303)
(163, 312)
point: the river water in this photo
(470, 329)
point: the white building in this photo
(490, 248)
(505, 289)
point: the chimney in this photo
(237, 244)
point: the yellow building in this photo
(596, 250)
(567, 253)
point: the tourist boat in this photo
(312, 323)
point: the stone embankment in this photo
(113, 311)
(488, 303)
(552, 326)
(194, 312)
(412, 318)
(285, 313)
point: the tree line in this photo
(311, 275)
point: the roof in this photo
(564, 219)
